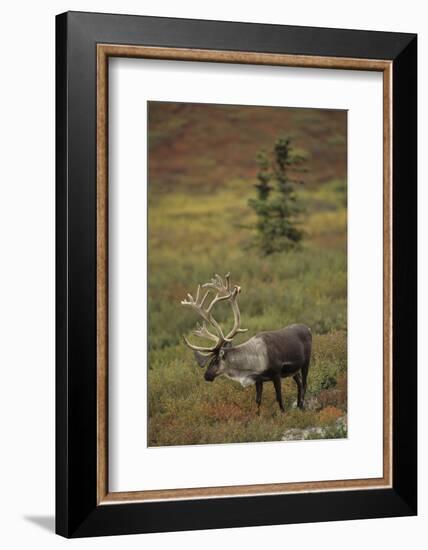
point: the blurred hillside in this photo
(201, 146)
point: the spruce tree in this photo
(276, 205)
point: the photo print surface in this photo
(247, 274)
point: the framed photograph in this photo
(236, 274)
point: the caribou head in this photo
(213, 357)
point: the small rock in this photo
(296, 434)
(342, 421)
(311, 404)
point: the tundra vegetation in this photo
(202, 173)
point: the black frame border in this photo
(77, 512)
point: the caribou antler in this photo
(223, 292)
(218, 284)
(236, 314)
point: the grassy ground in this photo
(201, 172)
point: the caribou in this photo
(267, 356)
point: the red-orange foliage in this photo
(329, 415)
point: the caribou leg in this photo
(277, 383)
(300, 389)
(259, 391)
(305, 370)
